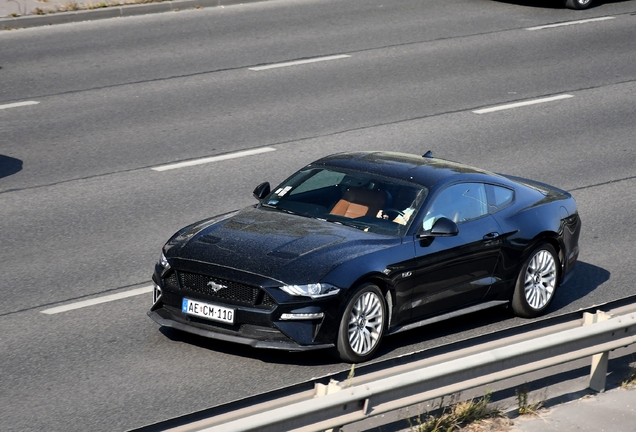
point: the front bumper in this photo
(254, 336)
(264, 317)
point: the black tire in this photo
(577, 4)
(537, 282)
(362, 325)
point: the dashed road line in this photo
(213, 159)
(568, 23)
(97, 300)
(18, 104)
(299, 62)
(521, 104)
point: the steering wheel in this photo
(395, 211)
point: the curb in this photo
(112, 12)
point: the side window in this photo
(460, 203)
(499, 197)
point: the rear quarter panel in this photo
(538, 213)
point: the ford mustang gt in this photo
(358, 246)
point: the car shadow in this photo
(302, 358)
(543, 4)
(9, 166)
(586, 279)
(554, 4)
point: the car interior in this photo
(357, 202)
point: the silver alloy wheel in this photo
(365, 323)
(540, 279)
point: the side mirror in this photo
(261, 191)
(443, 227)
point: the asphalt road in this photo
(83, 214)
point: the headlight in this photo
(163, 261)
(315, 290)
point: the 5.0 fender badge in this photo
(215, 286)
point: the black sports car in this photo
(356, 246)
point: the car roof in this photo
(427, 171)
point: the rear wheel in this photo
(577, 4)
(362, 325)
(536, 283)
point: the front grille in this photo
(232, 291)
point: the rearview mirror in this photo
(261, 191)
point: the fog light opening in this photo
(156, 294)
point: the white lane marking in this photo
(570, 23)
(214, 159)
(520, 104)
(299, 62)
(18, 104)
(98, 300)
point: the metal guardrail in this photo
(337, 404)
(356, 403)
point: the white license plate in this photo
(208, 311)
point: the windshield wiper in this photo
(361, 227)
(284, 210)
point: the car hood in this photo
(287, 248)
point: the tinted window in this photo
(317, 180)
(499, 197)
(459, 203)
(360, 199)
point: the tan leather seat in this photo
(358, 202)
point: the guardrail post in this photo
(332, 387)
(323, 390)
(598, 370)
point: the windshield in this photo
(362, 200)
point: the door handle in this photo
(491, 236)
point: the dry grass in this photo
(470, 416)
(101, 5)
(630, 379)
(494, 424)
(526, 408)
(69, 6)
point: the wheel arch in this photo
(553, 239)
(532, 295)
(383, 283)
(345, 341)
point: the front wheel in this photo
(362, 325)
(536, 283)
(577, 4)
